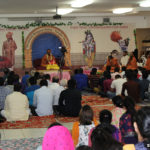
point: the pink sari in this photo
(57, 138)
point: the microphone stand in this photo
(61, 65)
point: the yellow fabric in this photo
(75, 131)
(89, 60)
(129, 147)
(54, 67)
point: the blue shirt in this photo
(31, 88)
(30, 97)
(82, 81)
(140, 146)
(24, 80)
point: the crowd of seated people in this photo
(133, 132)
(134, 83)
(122, 129)
(36, 95)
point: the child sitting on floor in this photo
(82, 127)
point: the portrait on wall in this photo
(89, 48)
(123, 43)
(8, 48)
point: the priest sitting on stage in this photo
(112, 62)
(49, 61)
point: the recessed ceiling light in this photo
(81, 3)
(122, 10)
(145, 4)
(64, 11)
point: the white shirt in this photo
(56, 90)
(43, 101)
(124, 60)
(16, 107)
(49, 82)
(117, 84)
(84, 131)
(122, 74)
(114, 74)
(53, 86)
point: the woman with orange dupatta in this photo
(132, 64)
(82, 128)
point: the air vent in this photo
(106, 20)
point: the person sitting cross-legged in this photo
(102, 140)
(69, 101)
(126, 122)
(43, 100)
(142, 129)
(81, 80)
(116, 86)
(3, 93)
(16, 106)
(105, 118)
(56, 89)
(81, 128)
(29, 91)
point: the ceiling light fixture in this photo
(64, 11)
(145, 4)
(122, 10)
(81, 3)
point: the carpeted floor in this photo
(96, 102)
(33, 122)
(44, 122)
(23, 144)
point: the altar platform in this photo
(65, 74)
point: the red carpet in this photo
(33, 122)
(96, 102)
(87, 100)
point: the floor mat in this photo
(22, 144)
(33, 122)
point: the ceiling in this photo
(28, 8)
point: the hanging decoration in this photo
(135, 38)
(34, 24)
(23, 63)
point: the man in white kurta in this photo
(16, 106)
(124, 59)
(56, 89)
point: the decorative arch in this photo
(45, 30)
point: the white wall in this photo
(139, 21)
(136, 21)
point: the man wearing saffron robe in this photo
(132, 63)
(112, 62)
(9, 47)
(49, 61)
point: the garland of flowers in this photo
(23, 63)
(34, 24)
(135, 38)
